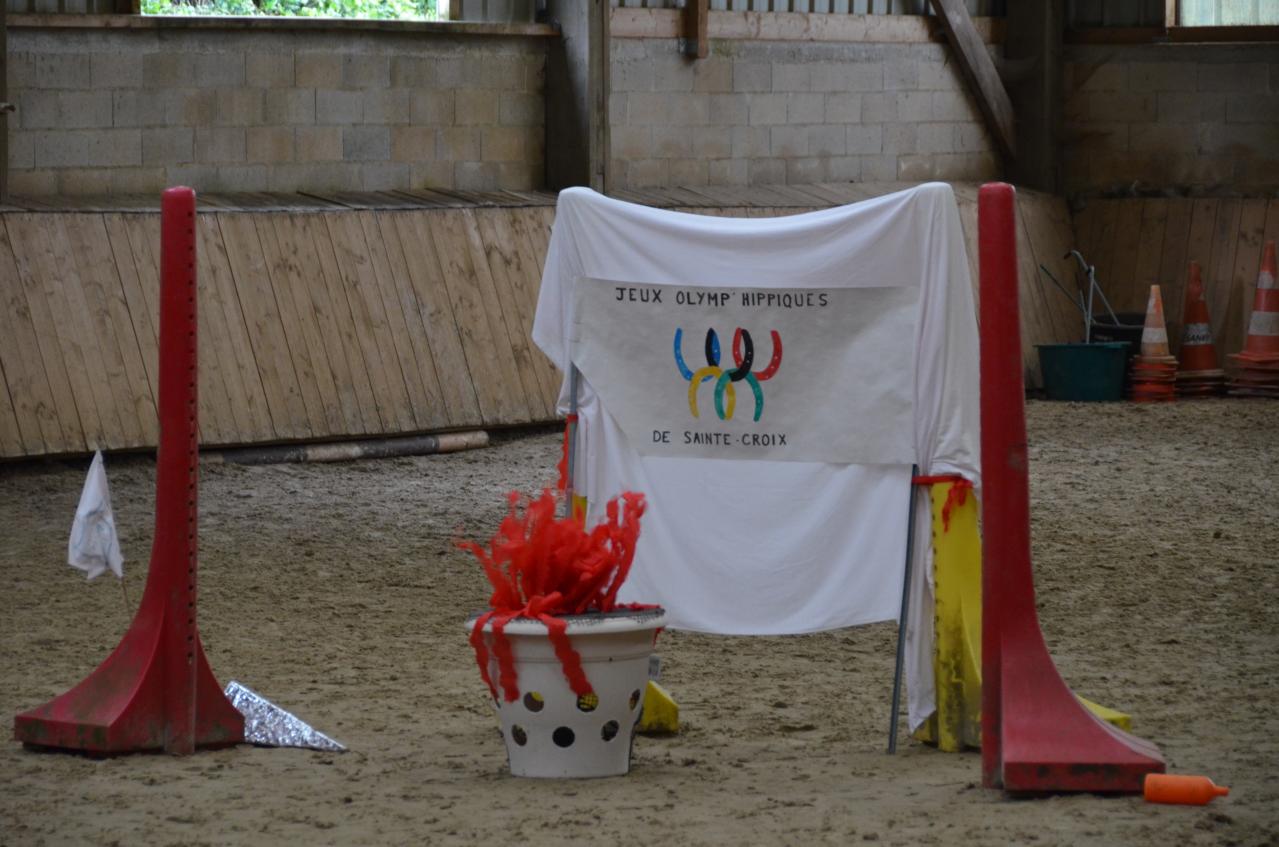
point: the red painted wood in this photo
(1036, 736)
(156, 690)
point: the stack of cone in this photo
(1154, 371)
(1199, 374)
(1256, 371)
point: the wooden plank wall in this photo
(1136, 243)
(363, 315)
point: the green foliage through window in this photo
(407, 10)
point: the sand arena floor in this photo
(335, 590)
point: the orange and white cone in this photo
(1154, 369)
(1199, 373)
(1256, 367)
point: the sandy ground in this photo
(335, 591)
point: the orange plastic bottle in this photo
(1183, 790)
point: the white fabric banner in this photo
(768, 547)
(94, 546)
(805, 375)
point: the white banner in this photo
(795, 374)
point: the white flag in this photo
(94, 546)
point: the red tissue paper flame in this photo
(542, 567)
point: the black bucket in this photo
(1128, 330)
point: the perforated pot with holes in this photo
(548, 731)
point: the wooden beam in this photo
(979, 70)
(695, 22)
(5, 106)
(636, 22)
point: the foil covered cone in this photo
(268, 725)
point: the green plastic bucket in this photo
(1085, 372)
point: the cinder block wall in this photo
(109, 111)
(758, 112)
(1178, 118)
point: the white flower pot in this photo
(548, 731)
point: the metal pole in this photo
(571, 436)
(901, 621)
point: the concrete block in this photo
(806, 169)
(712, 142)
(673, 142)
(385, 176)
(317, 143)
(957, 166)
(972, 137)
(901, 74)
(431, 108)
(1095, 137)
(953, 106)
(61, 148)
(269, 70)
(914, 106)
(243, 177)
(1252, 108)
(343, 108)
(366, 143)
(109, 148)
(138, 180)
(1162, 76)
(34, 182)
(915, 168)
(1233, 76)
(269, 144)
(318, 176)
(900, 138)
(1129, 106)
(22, 150)
(806, 108)
(1160, 138)
(844, 168)
(787, 141)
(635, 143)
(935, 138)
(521, 176)
(1182, 107)
(880, 107)
(1093, 76)
(216, 145)
(730, 109)
(431, 174)
(713, 75)
(647, 109)
(63, 110)
(289, 106)
(458, 144)
(511, 144)
(366, 70)
(515, 108)
(767, 171)
(750, 142)
(167, 70)
(827, 140)
(790, 78)
(139, 108)
(689, 109)
(59, 70)
(388, 106)
(882, 167)
(727, 172)
(475, 107)
(82, 181)
(414, 71)
(672, 72)
(616, 109)
(197, 107)
(224, 69)
(317, 70)
(648, 173)
(768, 109)
(168, 145)
(940, 76)
(1256, 140)
(845, 108)
(116, 70)
(239, 107)
(848, 76)
(865, 138)
(632, 76)
(752, 76)
(412, 143)
(689, 172)
(483, 69)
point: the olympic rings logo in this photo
(743, 358)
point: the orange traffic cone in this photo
(1182, 790)
(1199, 373)
(1154, 370)
(1256, 367)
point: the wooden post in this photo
(4, 104)
(1033, 41)
(694, 22)
(979, 70)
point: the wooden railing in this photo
(835, 7)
